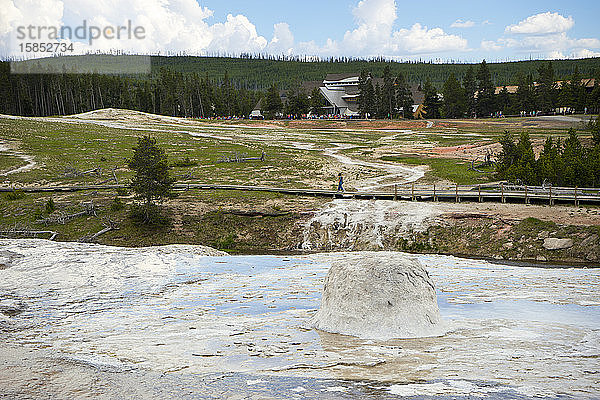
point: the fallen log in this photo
(244, 213)
(109, 225)
(29, 233)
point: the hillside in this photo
(257, 73)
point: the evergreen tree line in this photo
(476, 95)
(391, 98)
(168, 93)
(561, 163)
(187, 93)
(259, 73)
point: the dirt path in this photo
(30, 162)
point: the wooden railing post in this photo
(412, 191)
(502, 191)
(456, 199)
(576, 202)
(479, 192)
(395, 191)
(550, 195)
(434, 194)
(526, 200)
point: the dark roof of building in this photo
(309, 86)
(339, 77)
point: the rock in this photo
(557, 244)
(589, 241)
(508, 245)
(541, 258)
(379, 296)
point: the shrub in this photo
(186, 162)
(14, 195)
(50, 206)
(142, 214)
(117, 204)
(226, 242)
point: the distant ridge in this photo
(260, 73)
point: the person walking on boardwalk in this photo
(340, 183)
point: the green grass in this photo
(57, 146)
(450, 169)
(8, 162)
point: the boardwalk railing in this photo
(488, 192)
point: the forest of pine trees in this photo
(476, 96)
(391, 99)
(168, 93)
(561, 163)
(467, 91)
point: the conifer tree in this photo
(273, 103)
(151, 182)
(404, 97)
(432, 101)
(485, 91)
(453, 103)
(470, 87)
(388, 101)
(546, 89)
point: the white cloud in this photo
(586, 53)
(236, 35)
(545, 34)
(419, 39)
(15, 13)
(283, 40)
(375, 35)
(175, 26)
(170, 26)
(375, 13)
(556, 55)
(459, 23)
(542, 24)
(490, 45)
(550, 43)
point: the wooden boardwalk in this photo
(478, 193)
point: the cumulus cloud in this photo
(420, 39)
(546, 34)
(375, 35)
(169, 26)
(459, 23)
(542, 24)
(375, 13)
(586, 53)
(184, 26)
(236, 35)
(490, 45)
(283, 40)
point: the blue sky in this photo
(433, 30)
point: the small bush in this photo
(102, 158)
(122, 192)
(226, 242)
(117, 204)
(39, 214)
(14, 195)
(150, 216)
(50, 206)
(186, 162)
